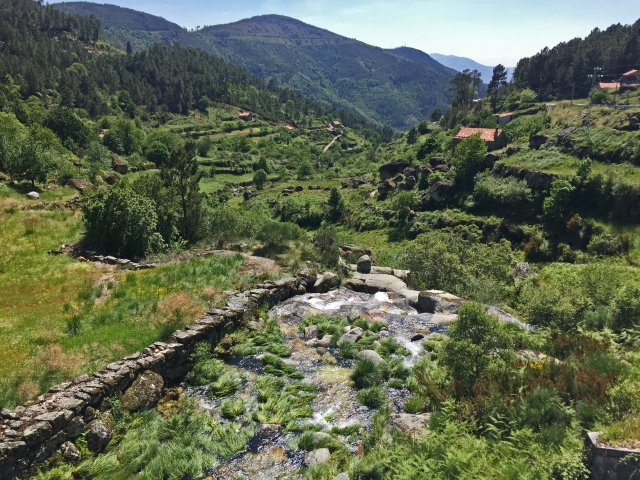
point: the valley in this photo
(207, 274)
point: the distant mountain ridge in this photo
(462, 63)
(383, 86)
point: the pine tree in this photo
(129, 48)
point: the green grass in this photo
(49, 308)
(625, 433)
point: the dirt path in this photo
(332, 142)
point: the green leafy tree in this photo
(436, 115)
(498, 80)
(469, 157)
(626, 308)
(336, 204)
(158, 153)
(203, 146)
(30, 162)
(304, 170)
(68, 127)
(120, 221)
(557, 204)
(129, 48)
(412, 136)
(429, 147)
(262, 164)
(204, 104)
(183, 177)
(97, 158)
(402, 203)
(528, 97)
(126, 104)
(11, 133)
(464, 87)
(259, 179)
(124, 137)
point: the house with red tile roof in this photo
(493, 137)
(246, 116)
(631, 77)
(609, 85)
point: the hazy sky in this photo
(489, 31)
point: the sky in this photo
(488, 31)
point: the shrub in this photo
(626, 308)
(232, 408)
(120, 221)
(366, 374)
(158, 153)
(373, 397)
(259, 179)
(469, 157)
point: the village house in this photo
(493, 137)
(290, 128)
(632, 77)
(505, 118)
(246, 116)
(609, 85)
(336, 124)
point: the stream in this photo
(272, 454)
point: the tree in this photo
(259, 179)
(498, 80)
(464, 87)
(436, 115)
(97, 157)
(262, 164)
(305, 170)
(556, 205)
(124, 137)
(336, 204)
(183, 178)
(29, 162)
(527, 97)
(129, 48)
(204, 104)
(429, 146)
(120, 221)
(412, 136)
(469, 157)
(158, 153)
(203, 146)
(68, 126)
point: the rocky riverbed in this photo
(273, 453)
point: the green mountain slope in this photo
(423, 58)
(141, 29)
(380, 85)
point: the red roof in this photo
(510, 114)
(289, 127)
(245, 114)
(630, 72)
(486, 134)
(607, 85)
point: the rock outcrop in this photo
(144, 393)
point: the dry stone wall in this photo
(609, 463)
(32, 433)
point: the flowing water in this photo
(271, 454)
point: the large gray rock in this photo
(391, 169)
(37, 433)
(326, 282)
(308, 275)
(412, 425)
(536, 141)
(144, 393)
(33, 195)
(342, 476)
(386, 187)
(364, 264)
(78, 183)
(370, 355)
(99, 435)
(111, 178)
(70, 452)
(321, 455)
(311, 332)
(437, 301)
(523, 270)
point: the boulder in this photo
(78, 184)
(349, 250)
(408, 184)
(364, 264)
(326, 282)
(370, 355)
(100, 433)
(412, 425)
(634, 122)
(299, 188)
(249, 194)
(70, 452)
(523, 270)
(391, 169)
(342, 476)
(536, 141)
(351, 337)
(435, 161)
(437, 301)
(33, 195)
(311, 332)
(410, 172)
(441, 191)
(386, 188)
(120, 166)
(111, 178)
(325, 341)
(307, 275)
(37, 433)
(144, 393)
(441, 168)
(321, 455)
(424, 170)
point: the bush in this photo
(372, 397)
(626, 308)
(525, 126)
(121, 222)
(502, 193)
(469, 157)
(366, 374)
(158, 153)
(259, 179)
(232, 408)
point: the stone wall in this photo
(32, 433)
(608, 463)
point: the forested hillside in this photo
(553, 71)
(379, 85)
